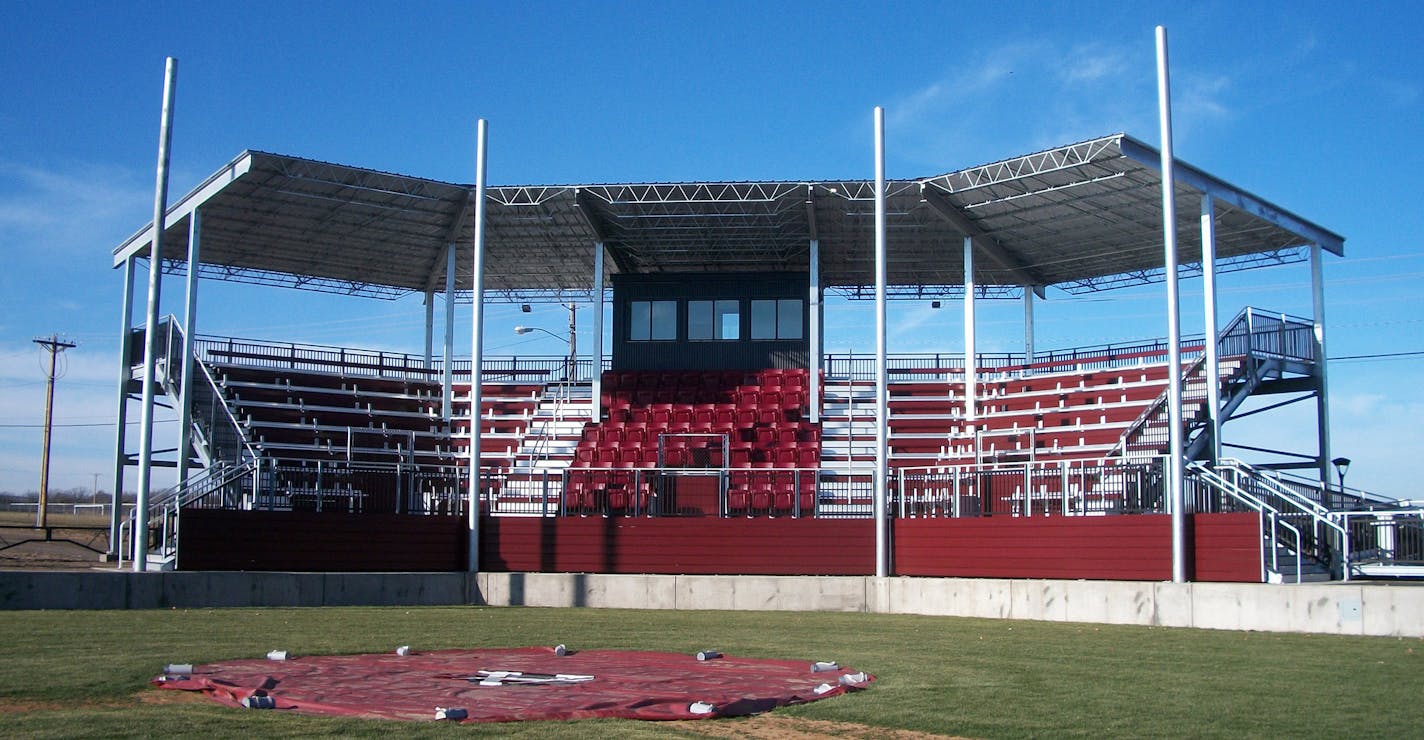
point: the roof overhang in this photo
(1082, 217)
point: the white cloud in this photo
(1093, 63)
(69, 209)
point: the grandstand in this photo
(713, 434)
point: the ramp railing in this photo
(228, 482)
(1217, 492)
(1323, 538)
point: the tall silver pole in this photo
(595, 413)
(971, 355)
(1175, 484)
(190, 321)
(477, 345)
(150, 353)
(1322, 397)
(121, 426)
(882, 375)
(1028, 327)
(1213, 364)
(447, 353)
(813, 307)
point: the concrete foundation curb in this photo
(1342, 609)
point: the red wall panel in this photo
(694, 546)
(1228, 547)
(211, 539)
(1105, 548)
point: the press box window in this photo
(781, 319)
(713, 320)
(652, 321)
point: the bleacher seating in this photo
(748, 422)
(1056, 414)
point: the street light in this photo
(1342, 464)
(572, 359)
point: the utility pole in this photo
(573, 343)
(54, 345)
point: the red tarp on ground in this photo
(630, 685)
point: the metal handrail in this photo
(1320, 516)
(1274, 515)
(173, 499)
(1409, 521)
(175, 330)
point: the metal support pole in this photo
(882, 424)
(150, 354)
(1322, 397)
(1212, 362)
(813, 307)
(447, 352)
(1028, 329)
(120, 427)
(971, 355)
(190, 320)
(429, 329)
(477, 344)
(595, 413)
(1175, 483)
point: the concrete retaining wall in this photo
(192, 589)
(1337, 608)
(1334, 608)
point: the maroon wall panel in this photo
(212, 539)
(1137, 548)
(694, 546)
(1227, 546)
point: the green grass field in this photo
(84, 674)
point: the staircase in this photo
(1300, 542)
(217, 435)
(1256, 350)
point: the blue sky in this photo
(1314, 106)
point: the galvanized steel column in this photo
(190, 319)
(813, 308)
(1028, 328)
(1213, 364)
(120, 427)
(1175, 483)
(1322, 397)
(429, 328)
(477, 346)
(447, 353)
(150, 353)
(971, 358)
(597, 389)
(882, 419)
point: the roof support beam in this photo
(600, 228)
(137, 245)
(452, 233)
(1239, 199)
(991, 249)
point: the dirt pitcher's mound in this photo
(497, 685)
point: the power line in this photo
(1379, 356)
(77, 425)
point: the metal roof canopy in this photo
(1083, 217)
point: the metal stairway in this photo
(1257, 352)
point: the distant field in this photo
(10, 518)
(71, 674)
